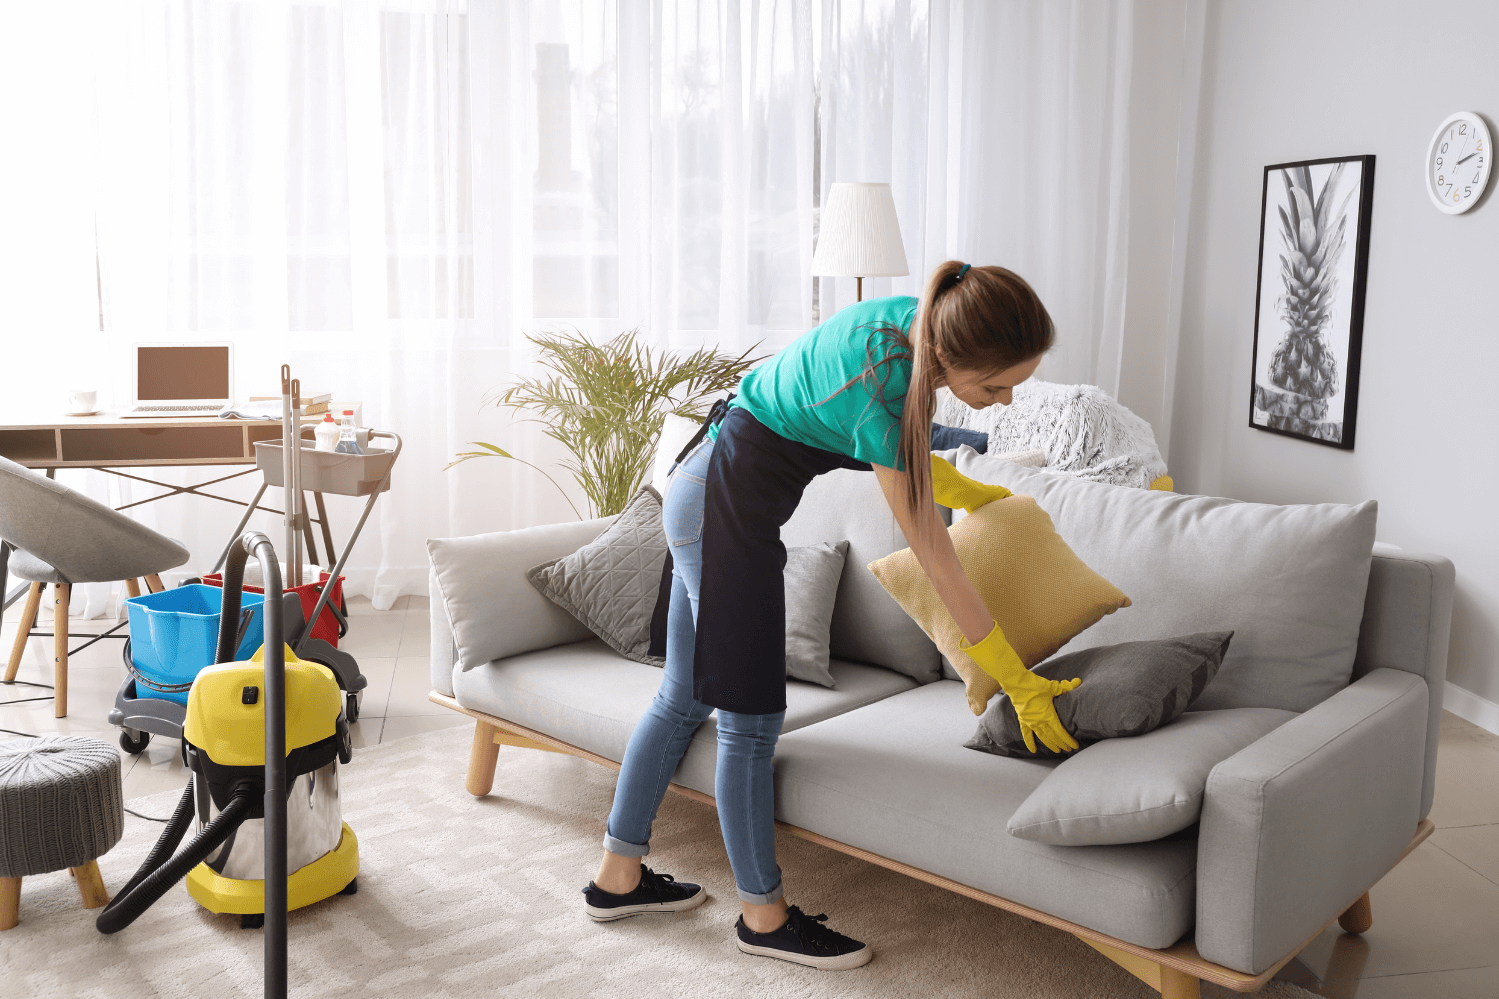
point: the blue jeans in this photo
(744, 779)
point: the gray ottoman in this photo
(60, 806)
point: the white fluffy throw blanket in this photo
(1083, 430)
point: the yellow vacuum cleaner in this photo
(225, 750)
(263, 741)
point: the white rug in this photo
(465, 897)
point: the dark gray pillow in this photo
(611, 584)
(619, 586)
(1127, 690)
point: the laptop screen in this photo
(170, 373)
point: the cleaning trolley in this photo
(168, 646)
(264, 845)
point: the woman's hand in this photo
(1030, 694)
(956, 491)
(983, 641)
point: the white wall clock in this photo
(1458, 163)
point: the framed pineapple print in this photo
(1309, 301)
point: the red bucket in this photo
(326, 627)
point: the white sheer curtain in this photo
(389, 194)
(1003, 130)
(1045, 165)
(299, 178)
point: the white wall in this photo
(1292, 80)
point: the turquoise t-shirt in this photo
(794, 392)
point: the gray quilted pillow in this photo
(611, 583)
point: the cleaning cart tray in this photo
(328, 472)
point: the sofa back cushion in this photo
(494, 611)
(868, 625)
(1288, 581)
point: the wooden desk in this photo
(111, 442)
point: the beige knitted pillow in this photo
(1037, 589)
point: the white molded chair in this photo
(53, 534)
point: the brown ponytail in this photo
(981, 318)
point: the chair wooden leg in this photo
(10, 902)
(60, 595)
(481, 760)
(90, 885)
(1358, 917)
(133, 587)
(1179, 985)
(154, 582)
(23, 630)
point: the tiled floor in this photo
(1436, 916)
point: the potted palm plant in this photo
(606, 403)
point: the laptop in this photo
(177, 380)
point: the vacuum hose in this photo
(158, 873)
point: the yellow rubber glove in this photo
(956, 491)
(1031, 694)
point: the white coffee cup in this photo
(82, 400)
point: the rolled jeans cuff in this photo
(623, 849)
(771, 896)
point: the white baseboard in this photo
(1470, 707)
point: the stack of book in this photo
(312, 405)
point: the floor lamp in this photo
(859, 236)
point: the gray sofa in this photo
(1294, 829)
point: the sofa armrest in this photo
(1298, 825)
(492, 610)
(443, 655)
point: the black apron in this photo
(755, 482)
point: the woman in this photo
(857, 391)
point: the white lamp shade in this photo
(859, 235)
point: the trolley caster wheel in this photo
(351, 709)
(352, 888)
(134, 744)
(252, 921)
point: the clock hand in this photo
(1466, 158)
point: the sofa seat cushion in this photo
(590, 696)
(893, 778)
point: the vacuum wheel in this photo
(351, 709)
(352, 888)
(134, 742)
(252, 921)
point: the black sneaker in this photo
(803, 939)
(655, 893)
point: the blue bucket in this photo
(175, 633)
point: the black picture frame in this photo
(1305, 383)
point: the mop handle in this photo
(288, 463)
(294, 560)
(253, 542)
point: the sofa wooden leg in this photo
(91, 885)
(1359, 916)
(1179, 985)
(23, 630)
(10, 902)
(481, 760)
(1171, 983)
